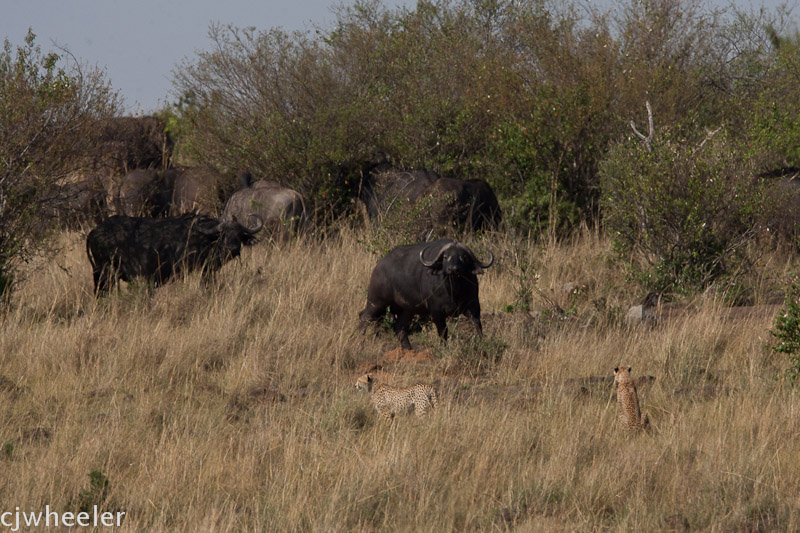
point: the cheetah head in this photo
(621, 375)
(365, 382)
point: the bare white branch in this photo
(647, 140)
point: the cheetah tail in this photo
(433, 396)
(645, 422)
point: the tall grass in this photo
(232, 408)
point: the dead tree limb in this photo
(648, 140)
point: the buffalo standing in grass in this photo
(143, 192)
(436, 280)
(158, 249)
(464, 205)
(283, 210)
(198, 190)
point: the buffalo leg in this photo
(371, 313)
(402, 325)
(476, 321)
(102, 280)
(441, 326)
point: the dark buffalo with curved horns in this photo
(436, 280)
(158, 249)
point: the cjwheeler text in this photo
(14, 520)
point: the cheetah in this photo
(392, 400)
(630, 416)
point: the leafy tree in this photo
(680, 207)
(48, 107)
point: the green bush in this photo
(681, 212)
(786, 330)
(48, 118)
(447, 86)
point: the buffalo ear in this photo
(477, 270)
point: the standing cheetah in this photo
(392, 400)
(630, 416)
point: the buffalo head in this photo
(454, 258)
(231, 235)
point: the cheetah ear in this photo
(616, 370)
(369, 378)
(629, 370)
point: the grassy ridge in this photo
(233, 409)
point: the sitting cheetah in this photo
(630, 416)
(392, 400)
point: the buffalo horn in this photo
(487, 264)
(259, 223)
(211, 231)
(438, 256)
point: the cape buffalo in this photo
(143, 192)
(452, 202)
(158, 249)
(470, 204)
(126, 143)
(281, 209)
(384, 189)
(436, 280)
(198, 190)
(75, 204)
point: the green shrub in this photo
(528, 96)
(786, 330)
(680, 213)
(48, 117)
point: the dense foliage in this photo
(47, 111)
(786, 331)
(682, 210)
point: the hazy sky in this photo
(140, 42)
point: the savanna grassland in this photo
(232, 408)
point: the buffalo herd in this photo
(154, 221)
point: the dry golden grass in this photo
(233, 408)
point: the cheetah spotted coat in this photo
(390, 401)
(630, 416)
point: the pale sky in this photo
(140, 42)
